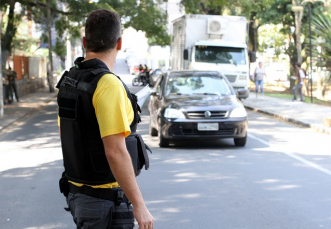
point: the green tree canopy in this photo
(68, 16)
(322, 39)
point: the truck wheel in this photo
(240, 141)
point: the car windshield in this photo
(197, 84)
(221, 55)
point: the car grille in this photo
(231, 78)
(221, 132)
(201, 114)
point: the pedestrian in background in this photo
(95, 118)
(258, 77)
(147, 70)
(11, 76)
(301, 75)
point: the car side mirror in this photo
(242, 93)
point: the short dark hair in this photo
(102, 30)
(298, 64)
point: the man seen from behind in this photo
(93, 127)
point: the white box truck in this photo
(211, 42)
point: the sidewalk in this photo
(303, 114)
(300, 113)
(27, 105)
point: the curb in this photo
(291, 120)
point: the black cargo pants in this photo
(94, 213)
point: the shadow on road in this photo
(31, 192)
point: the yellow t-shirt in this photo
(112, 107)
(113, 110)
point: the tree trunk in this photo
(49, 32)
(298, 18)
(8, 36)
(253, 33)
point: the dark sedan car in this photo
(196, 105)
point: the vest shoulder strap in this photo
(132, 97)
(90, 87)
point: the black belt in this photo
(102, 193)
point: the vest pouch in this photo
(142, 152)
(138, 152)
(64, 185)
(131, 145)
(68, 105)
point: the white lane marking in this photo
(259, 139)
(309, 163)
(301, 159)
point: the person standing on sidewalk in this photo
(258, 77)
(11, 76)
(94, 122)
(300, 81)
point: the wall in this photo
(31, 73)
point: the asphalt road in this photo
(278, 180)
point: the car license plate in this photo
(207, 126)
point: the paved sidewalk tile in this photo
(304, 114)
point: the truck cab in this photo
(230, 59)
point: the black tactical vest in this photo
(83, 152)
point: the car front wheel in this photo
(240, 141)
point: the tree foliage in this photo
(146, 16)
(68, 16)
(321, 49)
(259, 13)
(322, 38)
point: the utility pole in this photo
(311, 56)
(50, 49)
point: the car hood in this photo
(202, 101)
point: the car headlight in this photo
(238, 112)
(173, 113)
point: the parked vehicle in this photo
(197, 105)
(210, 42)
